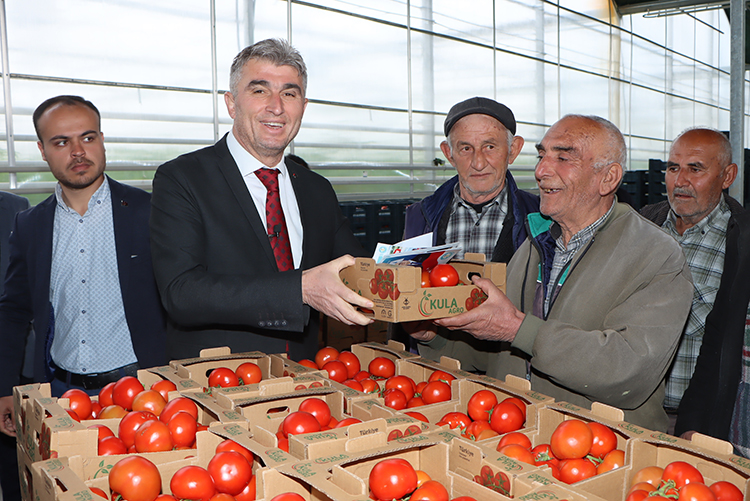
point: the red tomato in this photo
(614, 459)
(506, 417)
(336, 370)
(177, 405)
(130, 423)
(112, 412)
(414, 402)
(326, 355)
(518, 452)
(222, 496)
(441, 376)
(392, 479)
(110, 446)
(696, 492)
(395, 399)
(443, 275)
(153, 436)
(125, 390)
(352, 363)
(192, 482)
(288, 496)
(249, 373)
(149, 400)
(519, 403)
(73, 415)
(476, 428)
(105, 395)
(642, 486)
(231, 445)
(456, 420)
(604, 440)
(182, 429)
(430, 490)
(298, 423)
(575, 470)
(96, 408)
(248, 493)
(649, 474)
(418, 415)
(464, 498)
(436, 391)
(103, 431)
(681, 473)
(318, 408)
(354, 385)
(223, 378)
(308, 363)
(80, 402)
(165, 497)
(382, 367)
(230, 472)
(135, 478)
(403, 383)
(362, 375)
(370, 386)
(480, 405)
(638, 495)
(347, 421)
(726, 491)
(543, 455)
(426, 279)
(515, 437)
(164, 387)
(571, 439)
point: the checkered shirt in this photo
(477, 232)
(704, 246)
(563, 254)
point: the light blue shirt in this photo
(91, 332)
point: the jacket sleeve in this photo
(15, 315)
(624, 359)
(192, 294)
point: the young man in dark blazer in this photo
(222, 264)
(80, 267)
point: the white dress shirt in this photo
(248, 164)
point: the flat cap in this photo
(482, 106)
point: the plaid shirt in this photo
(563, 255)
(477, 232)
(739, 431)
(704, 246)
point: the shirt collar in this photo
(101, 193)
(700, 227)
(458, 199)
(583, 235)
(247, 163)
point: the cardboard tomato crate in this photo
(281, 366)
(711, 456)
(345, 476)
(199, 368)
(275, 386)
(69, 479)
(409, 301)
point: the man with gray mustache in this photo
(697, 214)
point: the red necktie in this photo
(275, 222)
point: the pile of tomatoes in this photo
(148, 421)
(228, 476)
(244, 374)
(395, 479)
(383, 285)
(486, 417)
(678, 481)
(577, 450)
(313, 415)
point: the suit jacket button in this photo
(261, 324)
(283, 322)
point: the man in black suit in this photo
(10, 204)
(80, 267)
(218, 259)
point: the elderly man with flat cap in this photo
(597, 296)
(481, 207)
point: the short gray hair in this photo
(273, 50)
(617, 151)
(725, 146)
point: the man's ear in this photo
(41, 149)
(229, 100)
(446, 149)
(611, 179)
(515, 148)
(730, 174)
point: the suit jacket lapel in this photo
(307, 206)
(228, 167)
(123, 229)
(43, 244)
